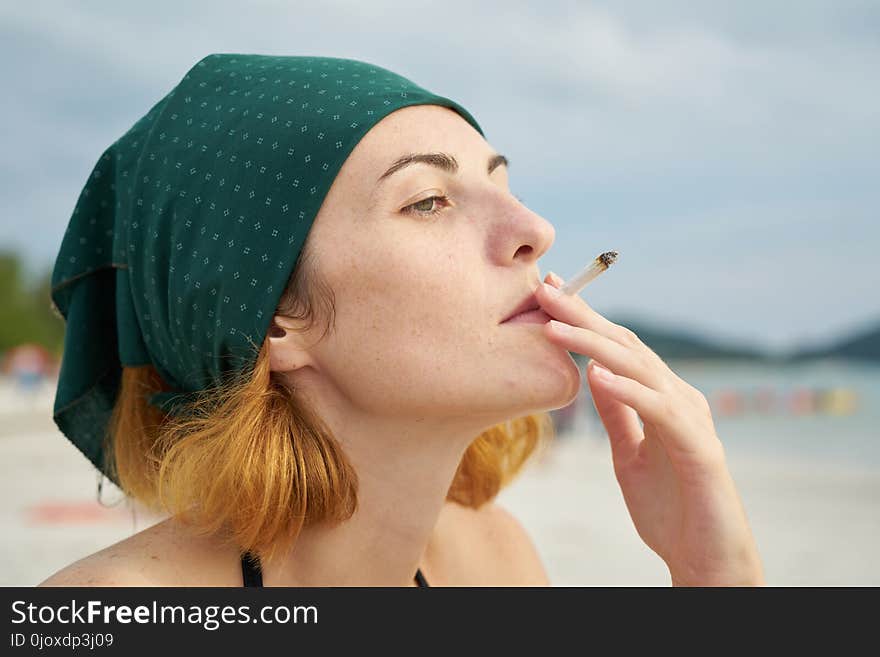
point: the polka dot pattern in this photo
(191, 223)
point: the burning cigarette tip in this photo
(608, 258)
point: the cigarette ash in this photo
(607, 259)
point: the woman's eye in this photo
(423, 207)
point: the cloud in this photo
(630, 124)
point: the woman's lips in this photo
(530, 317)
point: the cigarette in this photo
(599, 264)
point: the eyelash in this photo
(424, 213)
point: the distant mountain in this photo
(670, 343)
(862, 345)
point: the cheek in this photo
(402, 323)
(385, 365)
(411, 298)
(410, 290)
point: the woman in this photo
(303, 267)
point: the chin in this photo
(570, 384)
(559, 390)
(544, 383)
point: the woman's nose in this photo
(529, 229)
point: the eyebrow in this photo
(442, 161)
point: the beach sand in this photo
(815, 525)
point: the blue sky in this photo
(728, 151)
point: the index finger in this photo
(572, 309)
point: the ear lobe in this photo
(279, 358)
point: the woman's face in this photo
(420, 297)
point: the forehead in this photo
(412, 129)
(356, 191)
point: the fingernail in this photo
(560, 327)
(553, 291)
(556, 279)
(602, 373)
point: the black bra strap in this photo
(250, 570)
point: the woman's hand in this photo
(672, 470)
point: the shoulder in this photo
(96, 570)
(486, 547)
(165, 554)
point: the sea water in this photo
(850, 438)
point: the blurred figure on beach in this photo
(28, 365)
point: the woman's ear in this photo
(288, 348)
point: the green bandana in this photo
(191, 223)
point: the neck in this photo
(402, 487)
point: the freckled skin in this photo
(419, 299)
